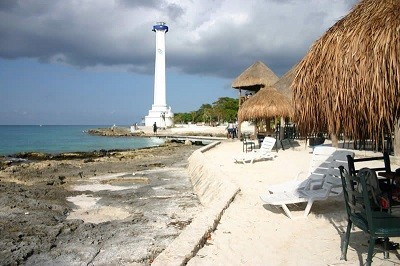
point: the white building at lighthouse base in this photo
(162, 115)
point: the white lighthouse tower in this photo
(160, 112)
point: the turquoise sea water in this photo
(57, 139)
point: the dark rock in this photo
(34, 229)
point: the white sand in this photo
(251, 233)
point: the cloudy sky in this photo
(92, 61)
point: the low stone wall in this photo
(215, 193)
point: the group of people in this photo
(232, 130)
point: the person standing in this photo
(155, 128)
(230, 130)
(163, 125)
(235, 129)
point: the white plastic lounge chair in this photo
(265, 152)
(325, 160)
(282, 199)
(323, 182)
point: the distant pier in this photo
(197, 140)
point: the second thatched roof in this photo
(255, 77)
(284, 83)
(267, 103)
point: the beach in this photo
(201, 208)
(245, 231)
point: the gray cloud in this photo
(140, 3)
(8, 4)
(174, 12)
(217, 38)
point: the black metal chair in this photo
(247, 144)
(358, 194)
(384, 183)
(385, 158)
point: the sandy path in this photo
(251, 233)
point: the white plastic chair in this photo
(265, 152)
(323, 182)
(330, 187)
(325, 160)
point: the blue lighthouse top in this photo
(160, 26)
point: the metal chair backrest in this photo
(385, 157)
(359, 191)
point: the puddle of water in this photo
(158, 188)
(88, 208)
(84, 201)
(111, 176)
(100, 187)
(90, 212)
(125, 180)
(112, 182)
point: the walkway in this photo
(250, 233)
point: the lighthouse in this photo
(160, 113)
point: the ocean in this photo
(58, 139)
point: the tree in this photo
(202, 114)
(223, 110)
(182, 118)
(226, 109)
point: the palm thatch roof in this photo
(266, 103)
(350, 78)
(284, 83)
(255, 77)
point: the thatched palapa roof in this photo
(350, 79)
(267, 103)
(284, 83)
(255, 77)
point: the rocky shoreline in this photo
(36, 227)
(147, 132)
(115, 132)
